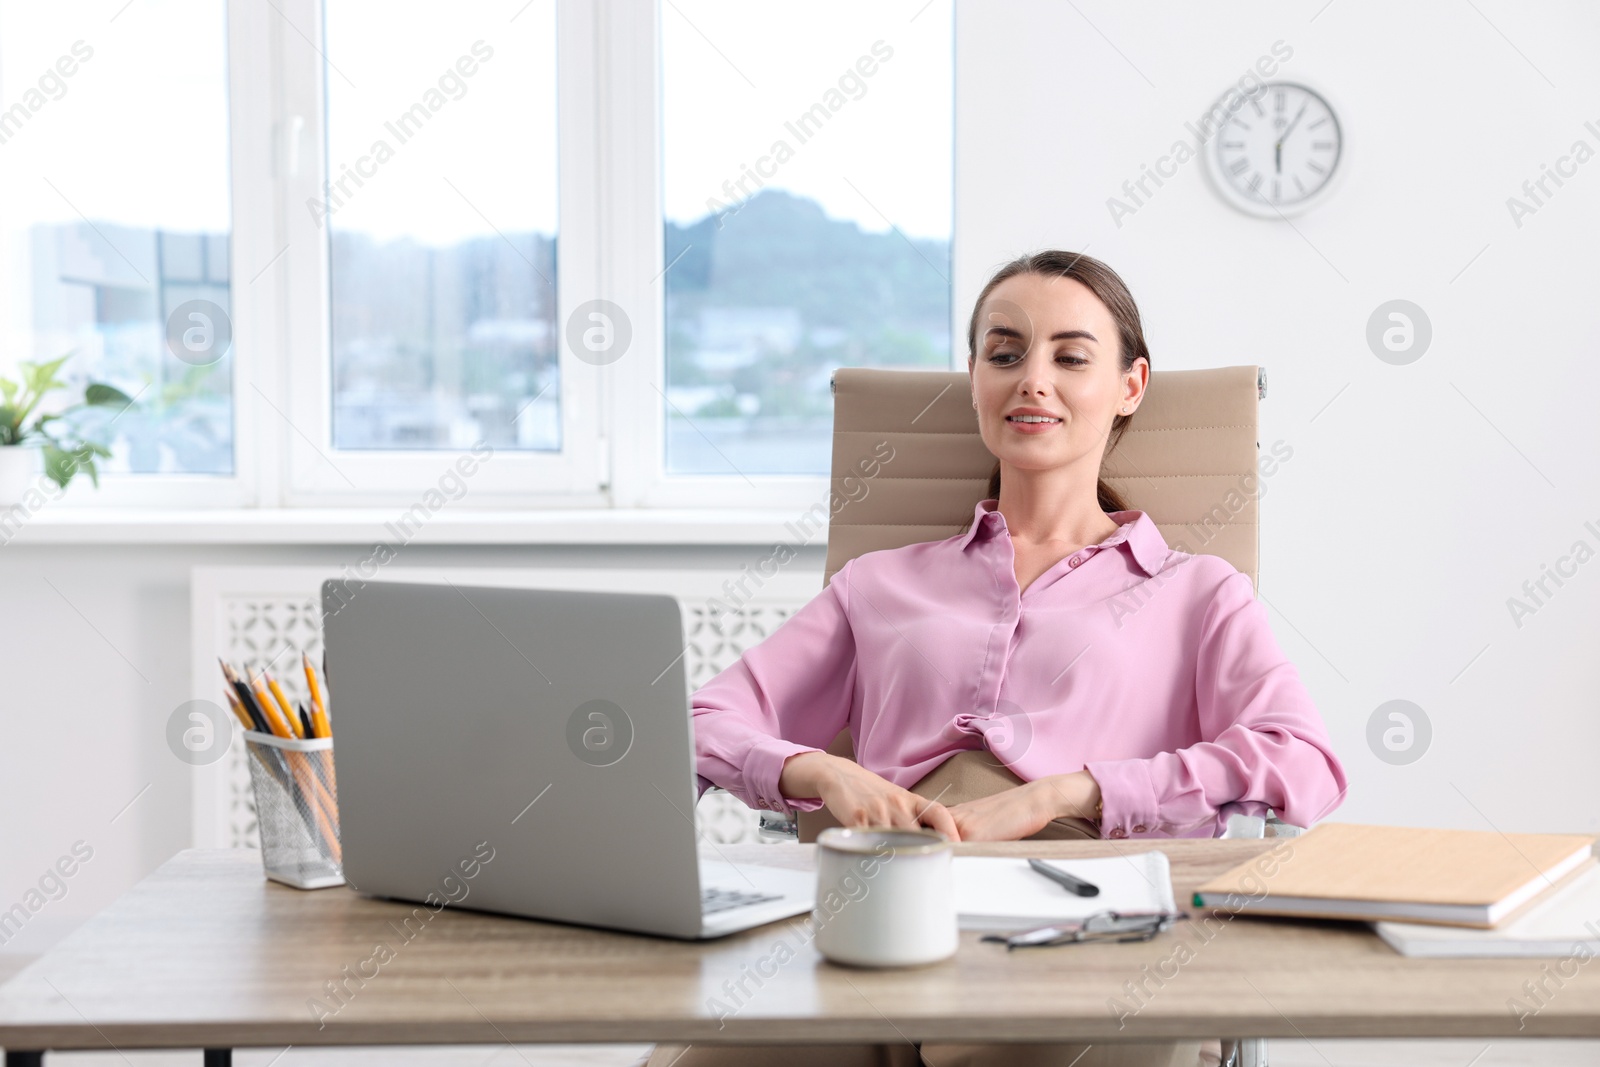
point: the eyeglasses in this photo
(1101, 926)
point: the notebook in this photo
(1566, 922)
(1006, 894)
(1349, 871)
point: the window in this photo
(114, 172)
(331, 245)
(807, 202)
(447, 148)
(441, 226)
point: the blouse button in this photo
(1118, 832)
(1074, 561)
(1141, 828)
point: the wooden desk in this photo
(205, 953)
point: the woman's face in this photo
(1046, 344)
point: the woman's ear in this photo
(1136, 380)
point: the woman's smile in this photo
(1032, 420)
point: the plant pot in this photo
(21, 467)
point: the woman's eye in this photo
(997, 357)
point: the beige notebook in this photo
(1348, 871)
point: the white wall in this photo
(1414, 505)
(1422, 498)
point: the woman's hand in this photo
(1009, 815)
(858, 797)
(1022, 811)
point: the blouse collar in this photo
(1135, 527)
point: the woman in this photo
(1124, 686)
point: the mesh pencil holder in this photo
(297, 809)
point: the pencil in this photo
(322, 728)
(327, 808)
(258, 722)
(244, 717)
(238, 710)
(322, 765)
(307, 793)
(319, 716)
(283, 702)
(250, 714)
(269, 709)
(319, 706)
(305, 723)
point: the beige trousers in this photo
(964, 776)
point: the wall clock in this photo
(1279, 152)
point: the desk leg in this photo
(215, 1057)
(24, 1059)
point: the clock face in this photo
(1278, 151)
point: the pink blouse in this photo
(1152, 668)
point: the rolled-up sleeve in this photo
(791, 693)
(1265, 743)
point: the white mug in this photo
(885, 898)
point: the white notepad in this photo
(1556, 926)
(1007, 894)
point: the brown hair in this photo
(1105, 284)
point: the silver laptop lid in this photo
(538, 739)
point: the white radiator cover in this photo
(254, 617)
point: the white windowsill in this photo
(365, 526)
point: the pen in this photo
(1072, 885)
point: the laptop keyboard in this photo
(714, 900)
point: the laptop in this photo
(529, 752)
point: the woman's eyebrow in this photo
(1059, 335)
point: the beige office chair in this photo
(1188, 459)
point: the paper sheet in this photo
(1006, 894)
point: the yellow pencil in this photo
(238, 709)
(283, 702)
(269, 708)
(320, 722)
(319, 707)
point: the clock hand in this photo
(1278, 145)
(1296, 121)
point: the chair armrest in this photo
(1247, 826)
(771, 826)
(1276, 827)
(777, 826)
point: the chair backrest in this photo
(1188, 460)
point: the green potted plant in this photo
(32, 441)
